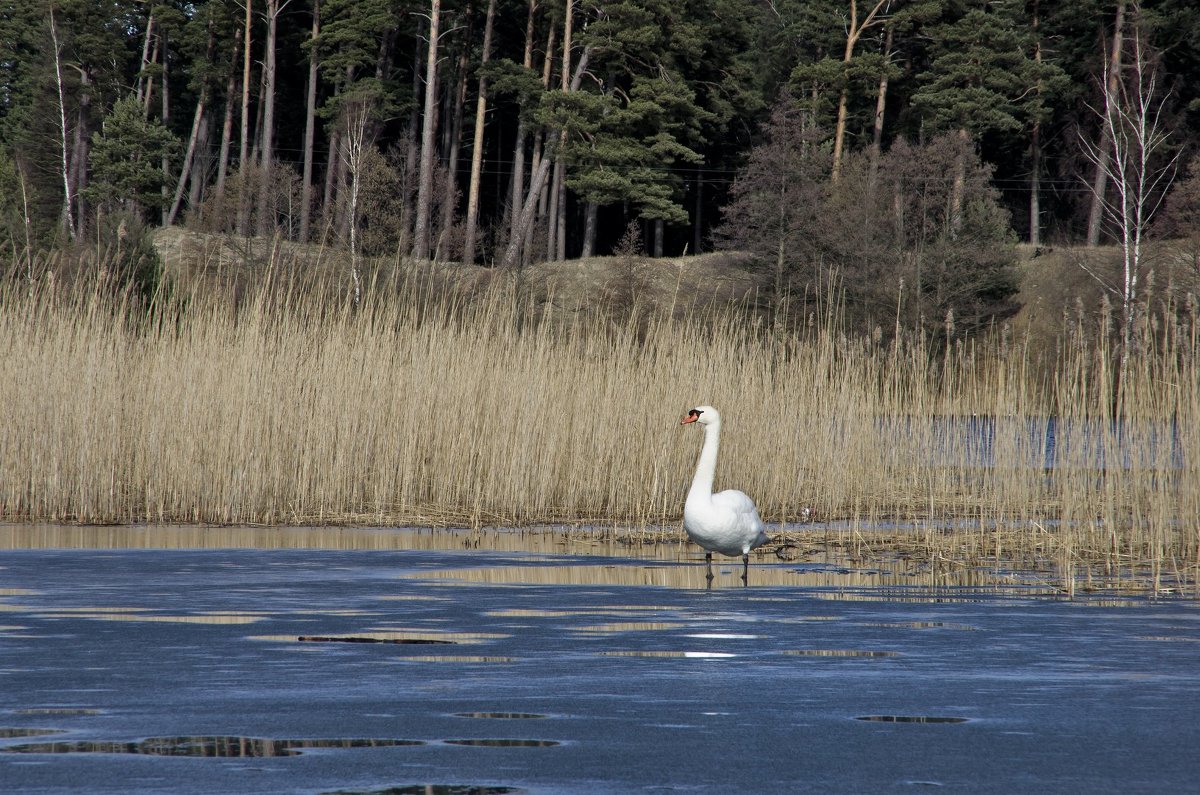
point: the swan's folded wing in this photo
(738, 502)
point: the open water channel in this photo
(243, 660)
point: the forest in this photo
(819, 135)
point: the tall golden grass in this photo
(289, 404)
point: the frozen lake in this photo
(229, 660)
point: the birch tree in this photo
(68, 217)
(1138, 165)
(357, 114)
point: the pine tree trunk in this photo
(199, 124)
(145, 61)
(147, 95)
(1100, 178)
(425, 178)
(453, 149)
(411, 156)
(1035, 145)
(166, 120)
(256, 129)
(310, 125)
(80, 151)
(590, 220)
(539, 150)
(548, 209)
(958, 187)
(536, 149)
(477, 145)
(560, 233)
(199, 178)
(231, 91)
(558, 215)
(244, 149)
(853, 32)
(266, 196)
(185, 170)
(552, 198)
(332, 169)
(880, 107)
(1035, 186)
(542, 202)
(659, 233)
(536, 183)
(517, 189)
(517, 179)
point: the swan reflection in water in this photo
(725, 522)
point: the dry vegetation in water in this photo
(283, 402)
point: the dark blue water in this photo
(563, 674)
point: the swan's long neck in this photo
(707, 465)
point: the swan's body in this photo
(725, 522)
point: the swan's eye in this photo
(695, 413)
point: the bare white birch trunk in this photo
(68, 217)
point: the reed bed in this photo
(288, 405)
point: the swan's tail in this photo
(762, 539)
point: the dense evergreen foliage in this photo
(821, 134)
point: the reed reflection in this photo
(904, 577)
(204, 746)
(819, 558)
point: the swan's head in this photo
(705, 415)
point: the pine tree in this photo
(126, 157)
(775, 207)
(983, 79)
(629, 136)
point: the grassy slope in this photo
(1054, 282)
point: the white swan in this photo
(725, 522)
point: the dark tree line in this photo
(507, 131)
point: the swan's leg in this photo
(746, 569)
(708, 566)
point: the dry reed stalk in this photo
(285, 404)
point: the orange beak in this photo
(689, 418)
